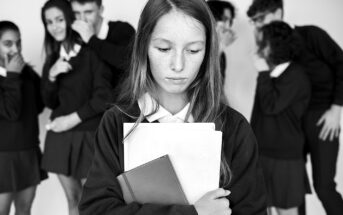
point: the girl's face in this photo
(176, 52)
(10, 44)
(56, 23)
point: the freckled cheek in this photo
(158, 65)
(158, 70)
(194, 66)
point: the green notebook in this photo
(154, 182)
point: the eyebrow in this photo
(8, 40)
(168, 41)
(258, 16)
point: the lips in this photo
(58, 35)
(175, 80)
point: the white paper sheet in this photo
(194, 150)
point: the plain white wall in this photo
(241, 75)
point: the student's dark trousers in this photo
(324, 160)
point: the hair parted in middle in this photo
(206, 91)
(217, 8)
(8, 26)
(50, 45)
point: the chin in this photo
(59, 38)
(177, 91)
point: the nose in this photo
(54, 26)
(178, 61)
(83, 17)
(14, 49)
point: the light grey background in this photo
(240, 78)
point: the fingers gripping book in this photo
(194, 150)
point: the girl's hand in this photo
(59, 67)
(64, 123)
(214, 203)
(331, 123)
(15, 64)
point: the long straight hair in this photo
(51, 46)
(205, 93)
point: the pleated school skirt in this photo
(69, 153)
(286, 182)
(20, 170)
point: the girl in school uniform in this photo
(282, 96)
(20, 105)
(224, 14)
(76, 86)
(175, 63)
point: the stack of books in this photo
(161, 157)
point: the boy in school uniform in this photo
(110, 40)
(323, 60)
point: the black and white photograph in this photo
(171, 107)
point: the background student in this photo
(281, 99)
(175, 64)
(20, 105)
(323, 59)
(76, 86)
(110, 40)
(224, 14)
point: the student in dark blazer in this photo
(76, 87)
(323, 61)
(175, 63)
(110, 40)
(281, 99)
(224, 14)
(20, 105)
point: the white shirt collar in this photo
(279, 69)
(63, 53)
(3, 71)
(104, 28)
(147, 105)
